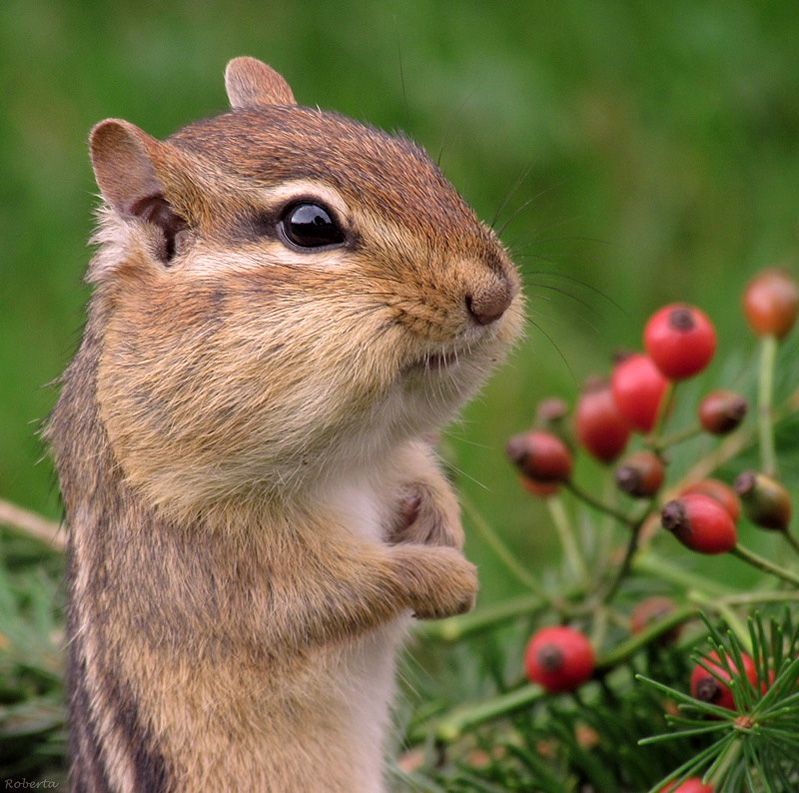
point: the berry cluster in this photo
(632, 406)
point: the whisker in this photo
(514, 187)
(582, 283)
(563, 292)
(450, 121)
(554, 344)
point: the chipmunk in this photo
(285, 304)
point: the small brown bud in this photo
(765, 501)
(641, 474)
(722, 411)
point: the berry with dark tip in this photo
(771, 303)
(700, 523)
(723, 493)
(766, 502)
(722, 411)
(559, 659)
(641, 474)
(541, 456)
(638, 388)
(601, 428)
(681, 340)
(706, 687)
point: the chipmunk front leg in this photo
(354, 588)
(428, 511)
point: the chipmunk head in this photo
(284, 291)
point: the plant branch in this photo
(33, 525)
(765, 391)
(570, 548)
(598, 505)
(767, 566)
(499, 547)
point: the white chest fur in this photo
(365, 668)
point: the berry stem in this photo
(655, 565)
(681, 436)
(625, 564)
(599, 505)
(500, 549)
(664, 408)
(725, 611)
(765, 565)
(792, 541)
(765, 392)
(567, 540)
(453, 629)
(453, 725)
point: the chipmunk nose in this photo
(488, 303)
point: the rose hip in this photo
(706, 687)
(559, 659)
(638, 388)
(716, 489)
(601, 428)
(771, 303)
(681, 340)
(641, 474)
(700, 523)
(722, 411)
(541, 456)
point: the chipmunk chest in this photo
(359, 507)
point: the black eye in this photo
(310, 226)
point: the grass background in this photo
(659, 145)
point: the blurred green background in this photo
(658, 145)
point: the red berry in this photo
(724, 494)
(650, 610)
(539, 489)
(766, 502)
(541, 456)
(693, 784)
(705, 687)
(700, 523)
(559, 659)
(641, 474)
(722, 411)
(680, 340)
(600, 426)
(638, 388)
(771, 303)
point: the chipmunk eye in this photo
(309, 225)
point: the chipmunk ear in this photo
(142, 177)
(250, 83)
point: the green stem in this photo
(454, 629)
(564, 528)
(626, 563)
(664, 408)
(765, 565)
(765, 391)
(461, 719)
(678, 437)
(753, 598)
(659, 567)
(625, 650)
(599, 505)
(724, 610)
(792, 541)
(452, 726)
(499, 547)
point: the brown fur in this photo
(236, 438)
